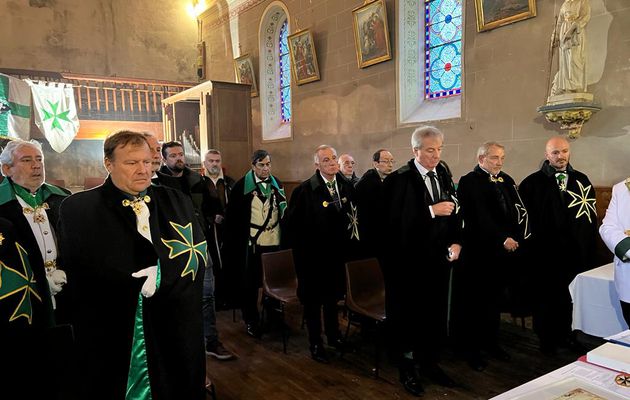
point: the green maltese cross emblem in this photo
(187, 247)
(586, 204)
(53, 114)
(21, 283)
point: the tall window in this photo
(443, 48)
(285, 73)
(275, 73)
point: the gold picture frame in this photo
(304, 65)
(371, 34)
(495, 13)
(244, 68)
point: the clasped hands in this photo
(150, 284)
(443, 208)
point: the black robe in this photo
(101, 246)
(323, 238)
(369, 199)
(492, 211)
(241, 273)
(33, 342)
(414, 261)
(563, 244)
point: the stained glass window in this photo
(285, 73)
(443, 48)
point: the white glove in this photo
(150, 284)
(56, 279)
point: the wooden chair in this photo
(279, 284)
(92, 181)
(365, 298)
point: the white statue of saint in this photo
(569, 36)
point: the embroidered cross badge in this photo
(21, 283)
(187, 247)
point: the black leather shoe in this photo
(498, 353)
(477, 363)
(338, 344)
(318, 353)
(437, 375)
(253, 330)
(410, 381)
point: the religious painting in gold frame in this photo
(371, 34)
(495, 13)
(303, 57)
(244, 68)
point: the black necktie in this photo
(434, 188)
(333, 193)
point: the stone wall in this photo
(506, 74)
(136, 39)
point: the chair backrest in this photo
(279, 270)
(92, 181)
(57, 182)
(364, 284)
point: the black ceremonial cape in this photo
(102, 248)
(323, 237)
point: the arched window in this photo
(275, 80)
(285, 73)
(430, 44)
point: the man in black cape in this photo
(323, 232)
(421, 214)
(136, 337)
(253, 227)
(561, 205)
(495, 224)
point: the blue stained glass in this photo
(444, 32)
(439, 11)
(443, 48)
(286, 104)
(285, 73)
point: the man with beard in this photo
(370, 202)
(323, 232)
(424, 236)
(495, 224)
(220, 188)
(253, 219)
(177, 175)
(31, 274)
(561, 205)
(136, 284)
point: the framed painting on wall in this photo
(371, 35)
(303, 58)
(245, 72)
(495, 13)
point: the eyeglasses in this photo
(392, 162)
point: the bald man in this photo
(561, 205)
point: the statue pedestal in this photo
(570, 110)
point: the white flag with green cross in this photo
(55, 113)
(15, 107)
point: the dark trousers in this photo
(313, 316)
(625, 309)
(253, 282)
